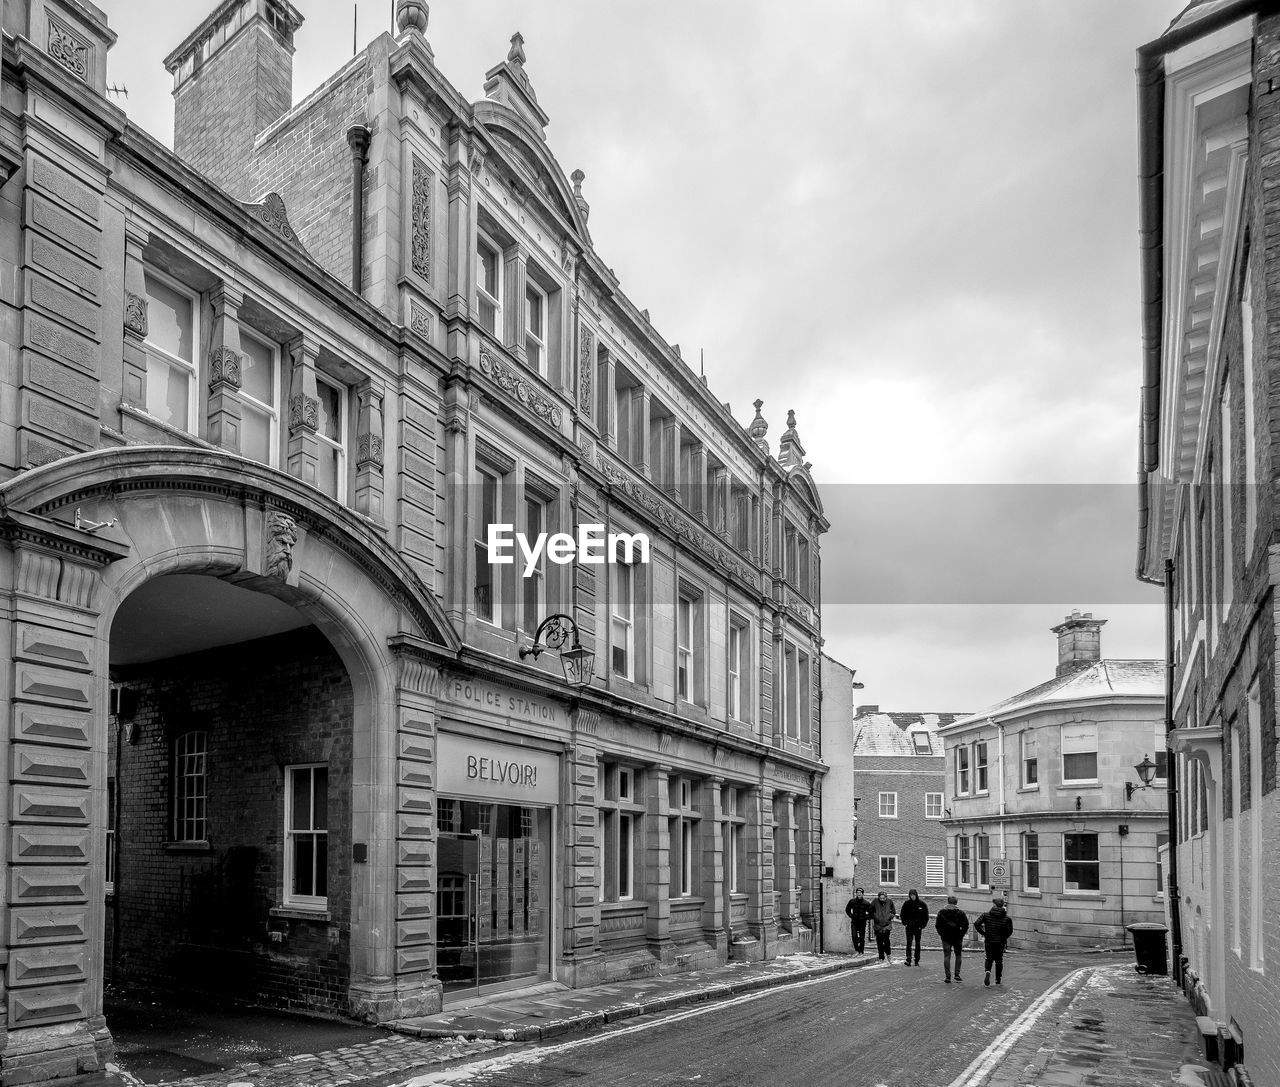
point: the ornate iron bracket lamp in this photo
(579, 664)
(1146, 768)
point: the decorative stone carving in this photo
(758, 429)
(304, 412)
(224, 367)
(519, 387)
(271, 213)
(421, 229)
(369, 450)
(282, 537)
(68, 50)
(586, 364)
(578, 177)
(419, 320)
(706, 542)
(135, 313)
(412, 15)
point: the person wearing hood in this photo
(952, 923)
(858, 910)
(914, 917)
(883, 912)
(995, 928)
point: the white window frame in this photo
(1071, 888)
(1030, 861)
(1028, 759)
(962, 770)
(686, 636)
(166, 358)
(735, 838)
(981, 768)
(622, 620)
(964, 861)
(271, 411)
(888, 805)
(191, 787)
(921, 743)
(480, 549)
(735, 687)
(290, 898)
(890, 868)
(684, 836)
(338, 445)
(933, 805)
(618, 815)
(494, 299)
(982, 860)
(533, 583)
(789, 676)
(1076, 749)
(535, 344)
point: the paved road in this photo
(881, 1026)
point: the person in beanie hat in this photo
(914, 917)
(858, 910)
(996, 928)
(952, 923)
(883, 912)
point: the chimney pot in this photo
(1079, 642)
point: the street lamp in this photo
(579, 664)
(1146, 769)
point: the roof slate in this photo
(890, 733)
(1106, 678)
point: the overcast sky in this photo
(912, 221)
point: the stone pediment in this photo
(270, 211)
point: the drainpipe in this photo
(358, 140)
(1171, 781)
(1000, 758)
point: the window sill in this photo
(1068, 785)
(181, 848)
(1028, 788)
(299, 913)
(145, 416)
(1084, 896)
(1031, 894)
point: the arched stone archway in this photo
(81, 536)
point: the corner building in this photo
(1209, 127)
(269, 731)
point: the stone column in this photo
(56, 805)
(607, 424)
(369, 446)
(135, 315)
(760, 915)
(696, 484)
(784, 867)
(581, 952)
(715, 890)
(719, 512)
(656, 851)
(459, 262)
(668, 475)
(304, 411)
(225, 362)
(513, 281)
(640, 429)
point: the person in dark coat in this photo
(995, 928)
(952, 923)
(858, 910)
(883, 912)
(914, 917)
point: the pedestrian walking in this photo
(858, 910)
(952, 923)
(883, 912)
(914, 918)
(995, 927)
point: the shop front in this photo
(496, 811)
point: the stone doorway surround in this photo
(143, 512)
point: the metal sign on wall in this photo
(999, 873)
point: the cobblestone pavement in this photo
(1109, 1027)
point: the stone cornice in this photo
(60, 538)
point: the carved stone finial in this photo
(791, 419)
(758, 429)
(412, 15)
(516, 53)
(791, 452)
(578, 177)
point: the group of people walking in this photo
(951, 924)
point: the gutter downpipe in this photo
(1003, 810)
(358, 140)
(1150, 73)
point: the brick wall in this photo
(207, 920)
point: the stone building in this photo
(270, 730)
(883, 805)
(1209, 125)
(1039, 789)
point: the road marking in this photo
(985, 1062)
(531, 1056)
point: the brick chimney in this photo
(232, 77)
(1079, 642)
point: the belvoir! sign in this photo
(472, 767)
